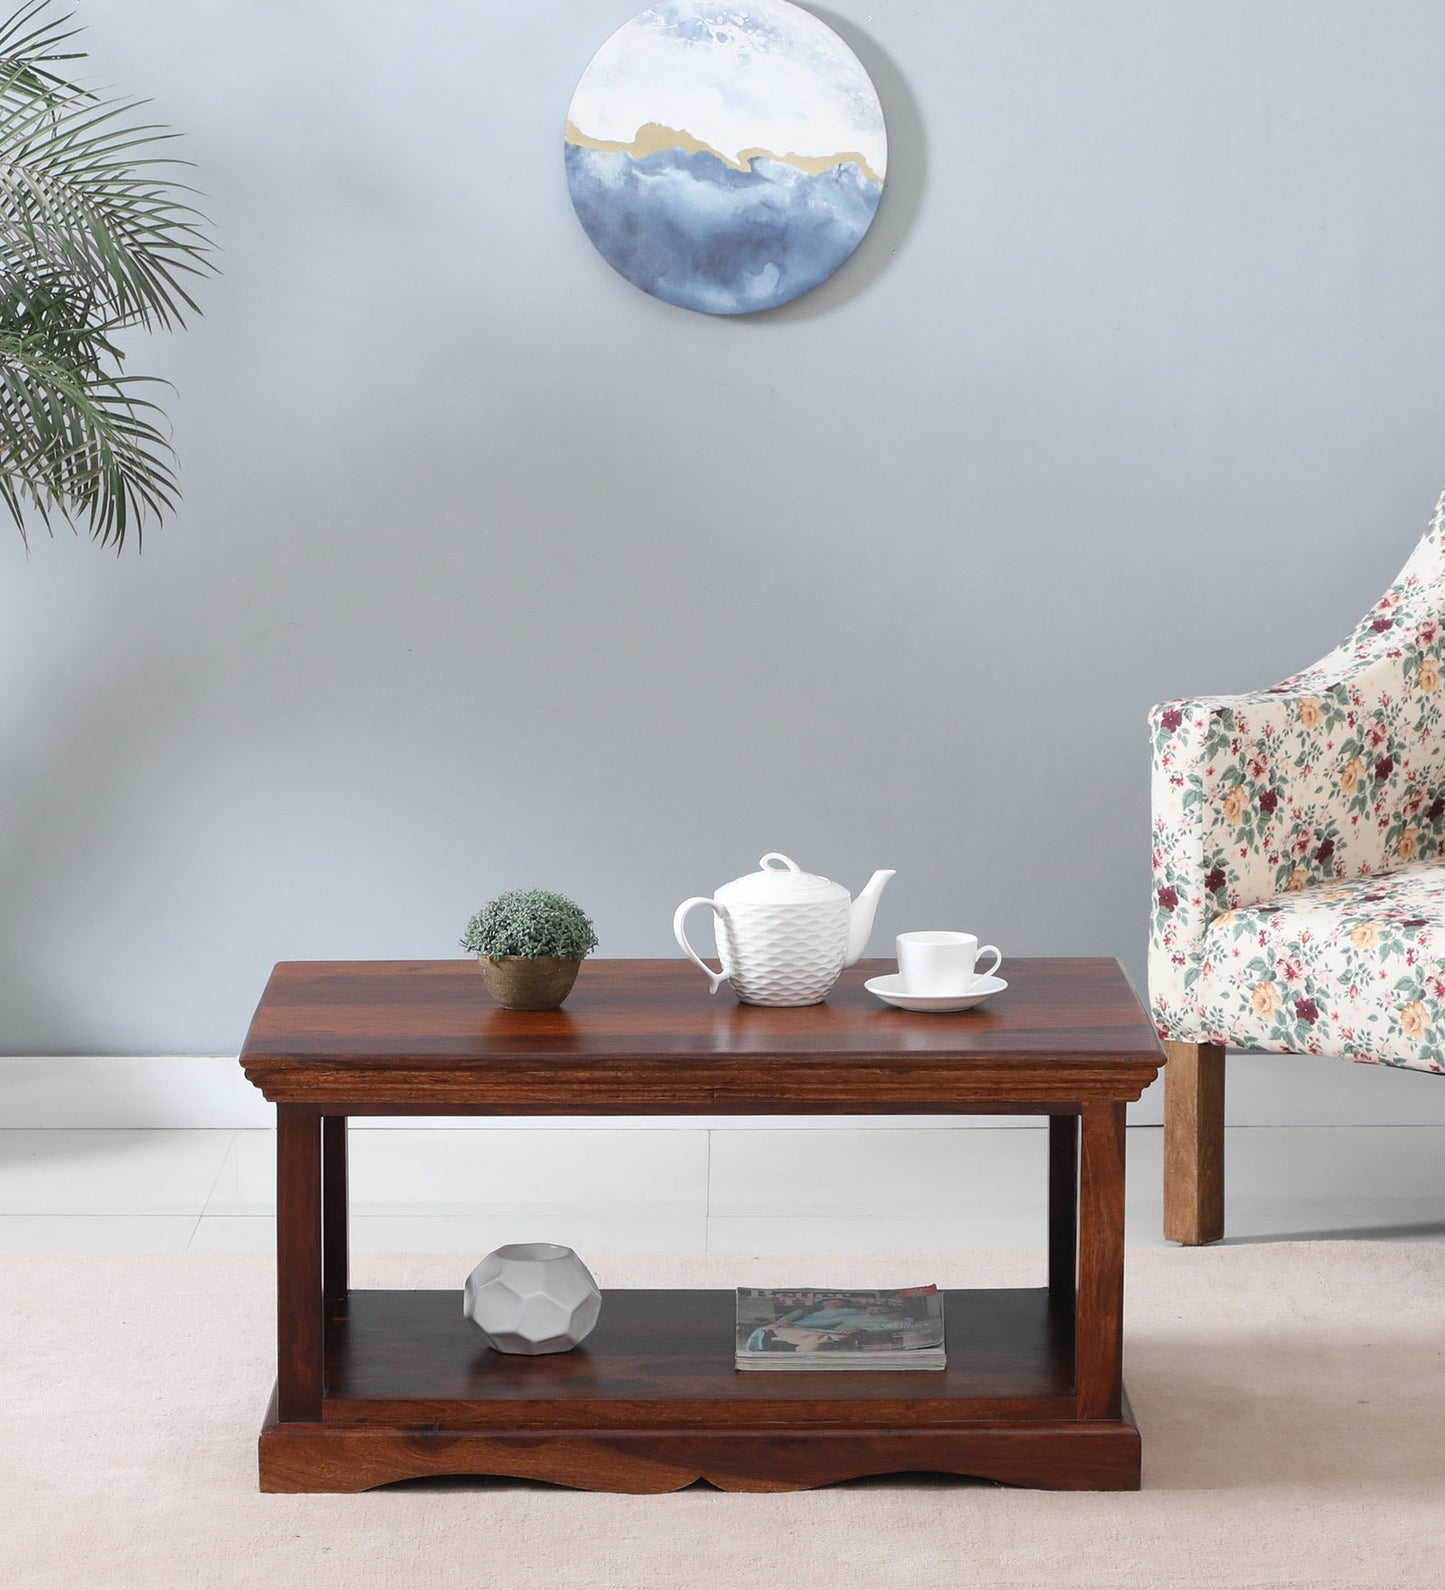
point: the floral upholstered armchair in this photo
(1299, 885)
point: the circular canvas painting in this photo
(725, 156)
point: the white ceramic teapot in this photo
(783, 935)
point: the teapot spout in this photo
(860, 916)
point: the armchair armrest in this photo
(1336, 773)
(1255, 794)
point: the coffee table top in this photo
(644, 1036)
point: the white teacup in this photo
(937, 964)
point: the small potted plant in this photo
(530, 944)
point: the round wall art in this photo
(725, 156)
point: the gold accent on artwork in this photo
(653, 138)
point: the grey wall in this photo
(493, 571)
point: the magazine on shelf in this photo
(818, 1328)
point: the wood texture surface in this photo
(298, 1263)
(651, 1402)
(1099, 1345)
(646, 1037)
(1063, 1211)
(335, 1213)
(410, 1358)
(1103, 1455)
(1194, 1143)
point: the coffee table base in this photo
(651, 1402)
(1064, 1456)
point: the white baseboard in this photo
(211, 1091)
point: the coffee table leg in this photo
(1063, 1213)
(298, 1264)
(334, 1239)
(1099, 1334)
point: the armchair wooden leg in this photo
(1194, 1142)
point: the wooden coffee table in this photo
(373, 1386)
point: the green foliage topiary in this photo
(530, 922)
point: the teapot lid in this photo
(780, 881)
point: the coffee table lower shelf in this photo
(651, 1402)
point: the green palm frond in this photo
(30, 41)
(96, 237)
(76, 189)
(78, 441)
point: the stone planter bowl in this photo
(529, 982)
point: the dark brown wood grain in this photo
(379, 1386)
(1100, 1316)
(298, 1263)
(1194, 1143)
(641, 1037)
(335, 1243)
(1063, 1211)
(1102, 1455)
(411, 1358)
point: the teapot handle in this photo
(714, 978)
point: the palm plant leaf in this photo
(75, 187)
(78, 441)
(30, 41)
(96, 236)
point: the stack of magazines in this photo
(796, 1328)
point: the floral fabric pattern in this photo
(1354, 969)
(1292, 824)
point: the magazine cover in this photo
(821, 1320)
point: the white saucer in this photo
(892, 992)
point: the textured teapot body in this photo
(783, 935)
(783, 954)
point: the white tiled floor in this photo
(467, 1190)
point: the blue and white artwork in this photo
(725, 157)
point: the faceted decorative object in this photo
(532, 1297)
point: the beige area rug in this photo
(1291, 1398)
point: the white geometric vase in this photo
(532, 1297)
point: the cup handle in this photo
(679, 930)
(983, 949)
